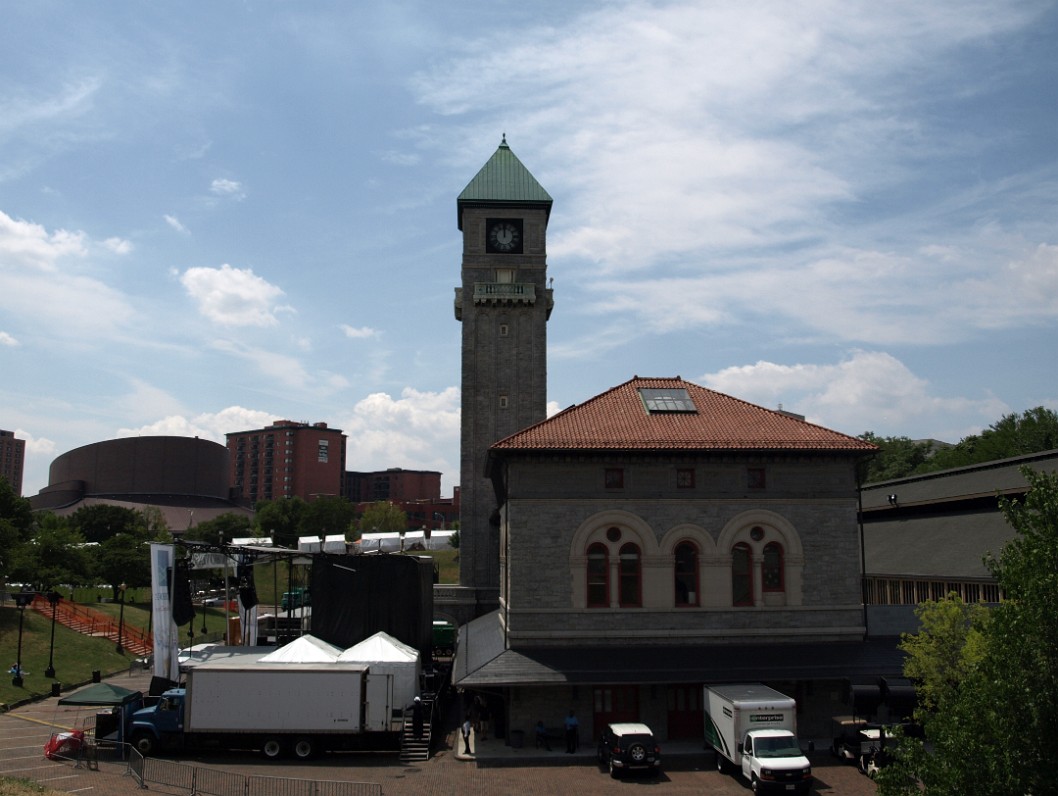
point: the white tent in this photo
(306, 649)
(392, 541)
(397, 662)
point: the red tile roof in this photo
(618, 420)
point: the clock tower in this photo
(504, 304)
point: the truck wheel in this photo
(721, 763)
(303, 748)
(144, 743)
(272, 749)
(754, 784)
(614, 771)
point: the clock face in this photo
(505, 236)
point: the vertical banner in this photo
(166, 634)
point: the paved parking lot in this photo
(497, 769)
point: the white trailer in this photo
(753, 730)
(297, 708)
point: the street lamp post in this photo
(53, 598)
(22, 599)
(121, 619)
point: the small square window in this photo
(615, 478)
(504, 330)
(503, 402)
(755, 477)
(685, 478)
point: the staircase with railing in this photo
(90, 622)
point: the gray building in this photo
(927, 535)
(503, 304)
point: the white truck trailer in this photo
(753, 729)
(278, 708)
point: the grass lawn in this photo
(24, 787)
(75, 656)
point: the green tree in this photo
(124, 558)
(946, 649)
(231, 524)
(383, 517)
(16, 523)
(1012, 435)
(280, 520)
(102, 520)
(897, 457)
(990, 727)
(328, 516)
(56, 554)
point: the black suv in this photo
(629, 746)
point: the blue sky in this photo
(213, 215)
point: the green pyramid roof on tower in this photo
(503, 180)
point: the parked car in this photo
(629, 746)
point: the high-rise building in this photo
(12, 459)
(287, 459)
(504, 304)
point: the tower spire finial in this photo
(504, 141)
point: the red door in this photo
(685, 711)
(614, 703)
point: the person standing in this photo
(572, 736)
(467, 727)
(416, 718)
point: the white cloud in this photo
(117, 245)
(229, 188)
(363, 333)
(720, 162)
(27, 244)
(418, 430)
(40, 281)
(866, 391)
(207, 425)
(37, 446)
(145, 400)
(8, 340)
(274, 366)
(175, 223)
(232, 296)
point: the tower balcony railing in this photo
(504, 293)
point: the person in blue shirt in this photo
(572, 739)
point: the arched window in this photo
(598, 576)
(685, 574)
(741, 574)
(629, 592)
(772, 577)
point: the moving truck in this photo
(753, 729)
(278, 708)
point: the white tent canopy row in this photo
(322, 544)
(392, 541)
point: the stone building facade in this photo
(662, 536)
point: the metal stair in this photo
(413, 750)
(89, 622)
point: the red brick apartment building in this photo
(12, 459)
(287, 459)
(417, 492)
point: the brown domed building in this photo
(186, 478)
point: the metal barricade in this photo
(211, 782)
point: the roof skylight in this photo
(673, 399)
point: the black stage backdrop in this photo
(353, 597)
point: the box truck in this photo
(753, 730)
(277, 708)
